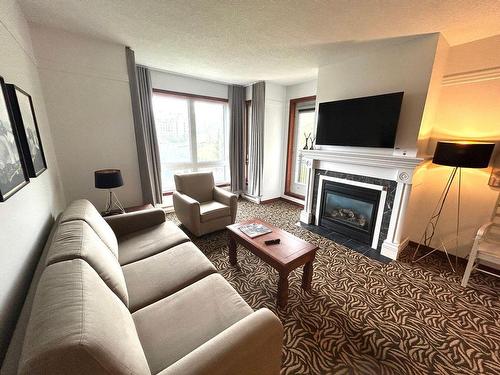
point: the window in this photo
(301, 125)
(305, 126)
(192, 136)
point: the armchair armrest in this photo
(483, 231)
(251, 346)
(187, 210)
(227, 198)
(132, 222)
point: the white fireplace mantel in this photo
(386, 166)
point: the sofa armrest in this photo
(133, 221)
(227, 198)
(251, 346)
(187, 210)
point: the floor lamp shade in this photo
(108, 178)
(463, 155)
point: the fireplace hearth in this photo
(349, 210)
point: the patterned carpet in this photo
(364, 317)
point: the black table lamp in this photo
(110, 179)
(457, 155)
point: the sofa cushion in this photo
(76, 239)
(198, 186)
(165, 273)
(79, 326)
(144, 243)
(187, 319)
(82, 209)
(213, 210)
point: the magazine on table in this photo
(254, 230)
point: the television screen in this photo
(364, 122)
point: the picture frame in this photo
(24, 117)
(13, 173)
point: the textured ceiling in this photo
(244, 41)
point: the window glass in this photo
(305, 128)
(192, 137)
(210, 130)
(172, 128)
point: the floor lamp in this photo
(110, 179)
(457, 155)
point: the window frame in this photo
(291, 141)
(192, 126)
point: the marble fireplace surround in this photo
(368, 167)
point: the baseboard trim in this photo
(298, 202)
(251, 199)
(283, 199)
(272, 200)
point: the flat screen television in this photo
(370, 121)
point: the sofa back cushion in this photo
(78, 326)
(82, 209)
(199, 186)
(76, 239)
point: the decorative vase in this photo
(312, 143)
(306, 147)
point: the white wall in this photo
(468, 109)
(87, 94)
(188, 85)
(273, 146)
(26, 217)
(403, 66)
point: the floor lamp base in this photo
(113, 204)
(431, 226)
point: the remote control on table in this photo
(272, 242)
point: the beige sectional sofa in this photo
(132, 295)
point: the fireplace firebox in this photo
(350, 210)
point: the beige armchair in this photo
(201, 206)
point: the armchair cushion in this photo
(213, 210)
(198, 186)
(227, 198)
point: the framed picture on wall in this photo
(24, 117)
(13, 173)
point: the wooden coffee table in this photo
(290, 253)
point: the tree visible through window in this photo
(192, 136)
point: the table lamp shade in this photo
(464, 155)
(108, 178)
